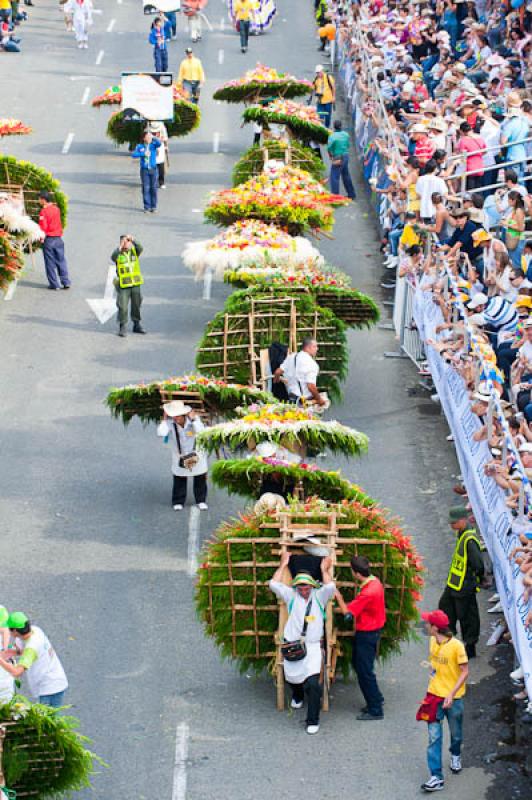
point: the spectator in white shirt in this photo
(427, 185)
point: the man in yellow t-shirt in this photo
(325, 93)
(191, 75)
(446, 689)
(244, 10)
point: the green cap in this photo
(16, 620)
(4, 614)
(459, 512)
(305, 578)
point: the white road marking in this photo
(85, 97)
(11, 289)
(119, 2)
(179, 788)
(68, 141)
(99, 58)
(196, 210)
(221, 56)
(111, 26)
(207, 284)
(104, 309)
(216, 142)
(193, 541)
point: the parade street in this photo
(90, 544)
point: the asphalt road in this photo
(90, 546)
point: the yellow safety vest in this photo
(457, 572)
(128, 269)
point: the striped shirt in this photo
(499, 314)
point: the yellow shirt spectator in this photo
(5, 5)
(324, 88)
(445, 659)
(243, 9)
(408, 237)
(191, 69)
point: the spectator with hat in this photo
(324, 91)
(444, 698)
(180, 426)
(38, 659)
(459, 598)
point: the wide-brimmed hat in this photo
(266, 449)
(176, 408)
(480, 235)
(495, 60)
(437, 124)
(514, 100)
(523, 301)
(417, 128)
(306, 536)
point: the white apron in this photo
(187, 442)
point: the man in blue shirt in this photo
(146, 152)
(158, 38)
(514, 129)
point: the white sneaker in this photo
(450, 438)
(456, 764)
(435, 399)
(296, 703)
(496, 609)
(518, 674)
(434, 784)
(203, 506)
(178, 507)
(312, 729)
(494, 598)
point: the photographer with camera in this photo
(180, 426)
(128, 282)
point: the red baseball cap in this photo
(437, 618)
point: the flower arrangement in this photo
(262, 81)
(13, 127)
(238, 610)
(43, 754)
(285, 195)
(302, 120)
(11, 260)
(284, 425)
(144, 400)
(248, 243)
(32, 179)
(16, 222)
(186, 119)
(244, 476)
(113, 96)
(278, 316)
(253, 161)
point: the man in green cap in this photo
(306, 602)
(46, 676)
(459, 598)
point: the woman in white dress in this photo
(81, 11)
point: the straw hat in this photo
(513, 100)
(176, 408)
(480, 235)
(269, 502)
(437, 124)
(417, 128)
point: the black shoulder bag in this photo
(188, 461)
(296, 651)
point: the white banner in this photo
(493, 517)
(149, 95)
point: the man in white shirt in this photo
(301, 373)
(179, 427)
(46, 676)
(427, 185)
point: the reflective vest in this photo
(128, 269)
(457, 572)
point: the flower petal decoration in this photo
(303, 121)
(13, 127)
(262, 81)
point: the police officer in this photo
(128, 282)
(459, 598)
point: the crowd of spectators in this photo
(11, 16)
(443, 86)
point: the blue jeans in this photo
(55, 263)
(342, 170)
(325, 112)
(54, 700)
(363, 657)
(455, 715)
(515, 255)
(161, 59)
(149, 179)
(172, 19)
(244, 32)
(393, 237)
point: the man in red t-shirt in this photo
(53, 247)
(369, 613)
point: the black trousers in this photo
(363, 657)
(311, 689)
(179, 489)
(462, 608)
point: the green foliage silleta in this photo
(252, 162)
(244, 476)
(253, 90)
(246, 603)
(44, 755)
(144, 400)
(32, 179)
(186, 118)
(333, 355)
(296, 219)
(304, 130)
